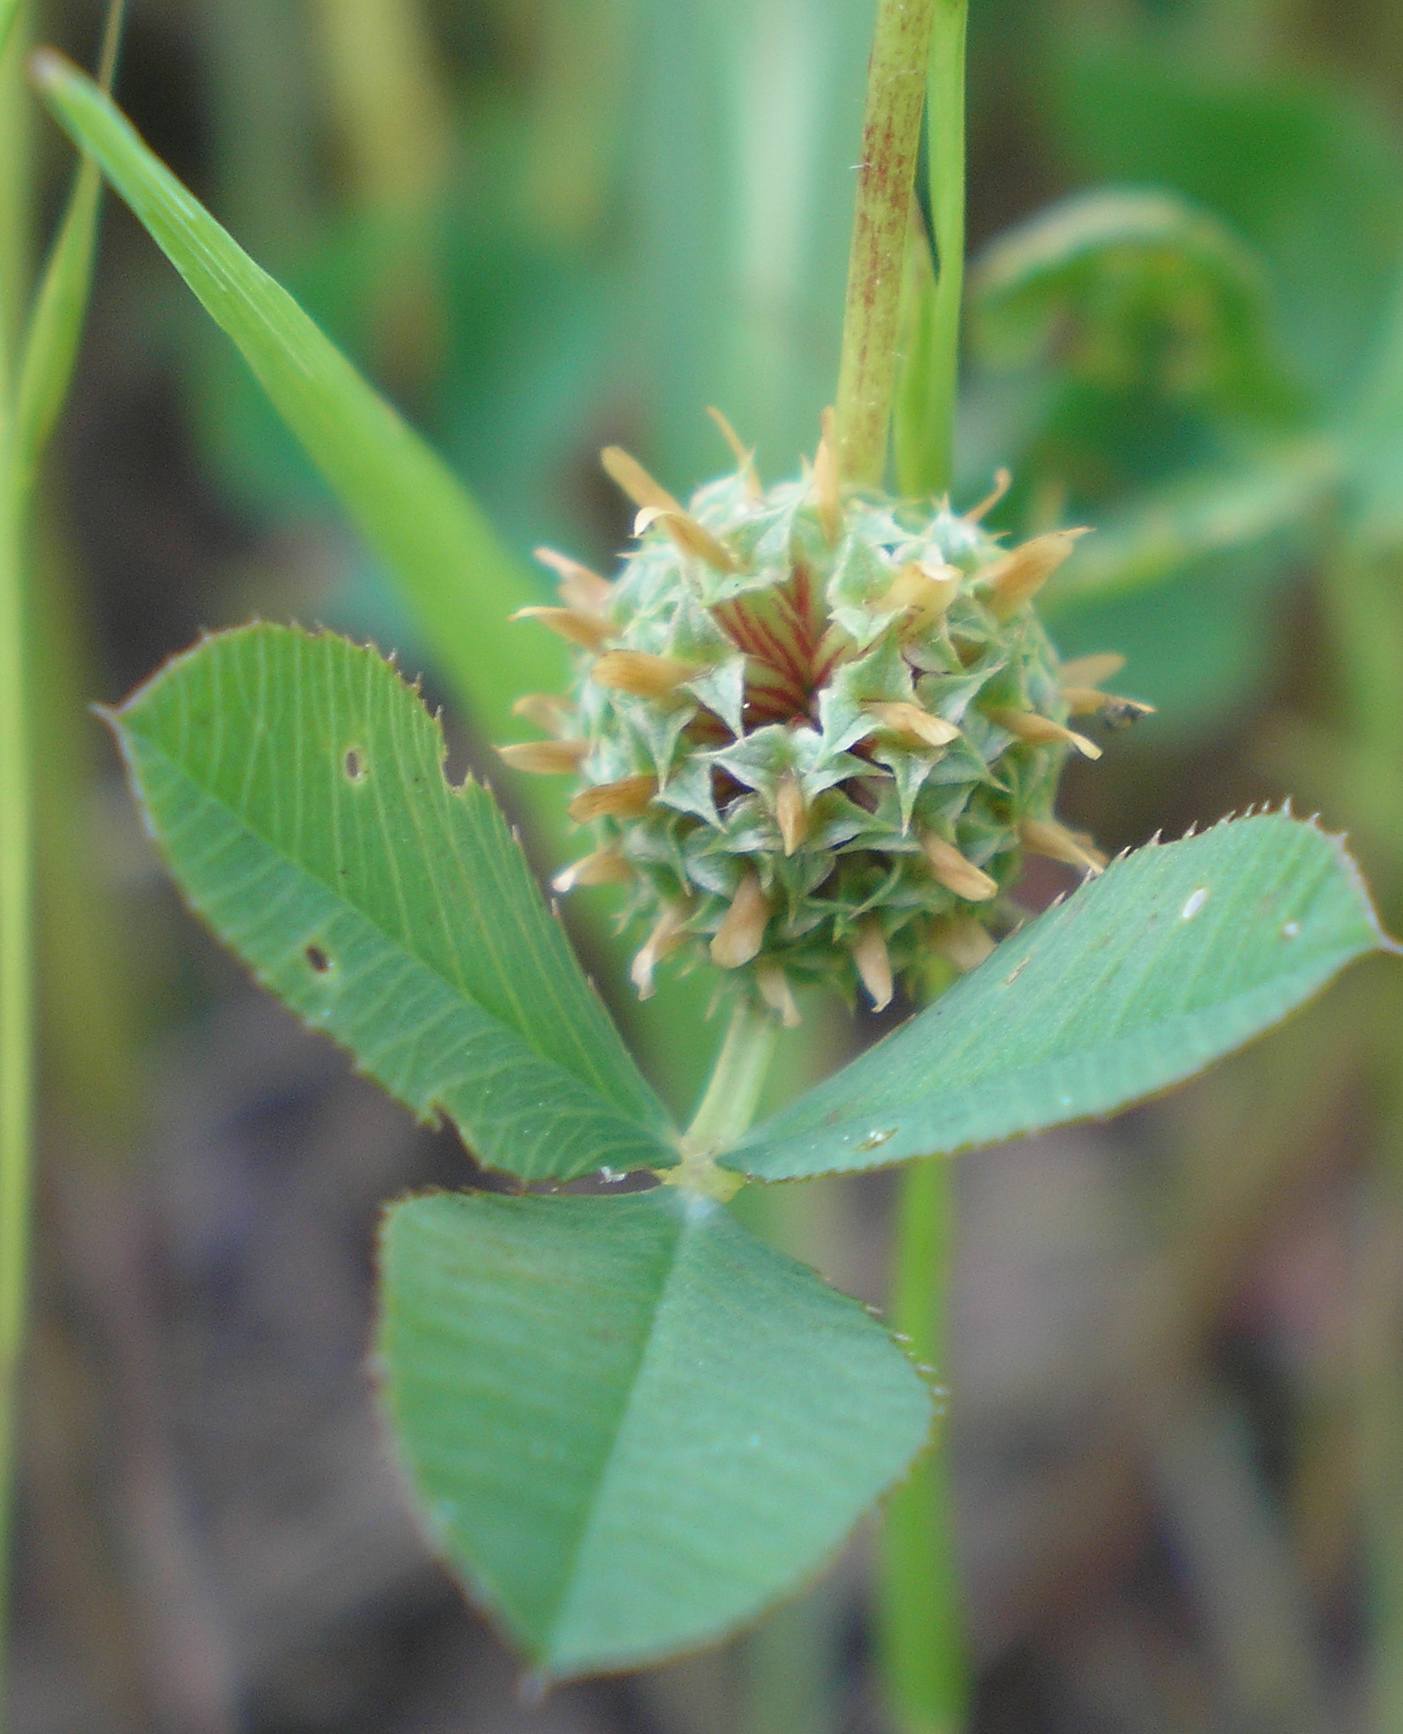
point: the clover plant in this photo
(812, 732)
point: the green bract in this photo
(817, 730)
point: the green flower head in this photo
(816, 727)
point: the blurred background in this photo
(1177, 1345)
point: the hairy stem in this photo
(891, 136)
(921, 1640)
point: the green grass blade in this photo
(296, 787)
(630, 1425)
(1193, 515)
(16, 1003)
(55, 330)
(1178, 954)
(9, 16)
(17, 984)
(456, 575)
(15, 156)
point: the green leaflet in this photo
(630, 1424)
(1129, 282)
(454, 571)
(296, 786)
(61, 299)
(1176, 955)
(1304, 170)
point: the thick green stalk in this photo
(921, 1639)
(891, 137)
(946, 131)
(921, 1636)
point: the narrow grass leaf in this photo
(61, 300)
(1178, 954)
(456, 575)
(296, 787)
(1256, 500)
(630, 1424)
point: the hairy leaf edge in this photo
(112, 716)
(482, 1600)
(1384, 943)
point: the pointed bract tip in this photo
(873, 962)
(663, 508)
(1047, 837)
(925, 591)
(545, 758)
(961, 941)
(1043, 731)
(912, 723)
(587, 631)
(744, 456)
(1091, 670)
(955, 872)
(626, 798)
(580, 588)
(547, 710)
(778, 995)
(791, 813)
(641, 673)
(1023, 571)
(827, 481)
(742, 931)
(665, 937)
(599, 867)
(1003, 481)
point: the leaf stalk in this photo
(733, 1093)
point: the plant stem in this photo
(16, 866)
(16, 1010)
(729, 1102)
(921, 1640)
(945, 109)
(16, 1004)
(891, 136)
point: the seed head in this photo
(817, 727)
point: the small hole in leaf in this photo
(355, 764)
(317, 959)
